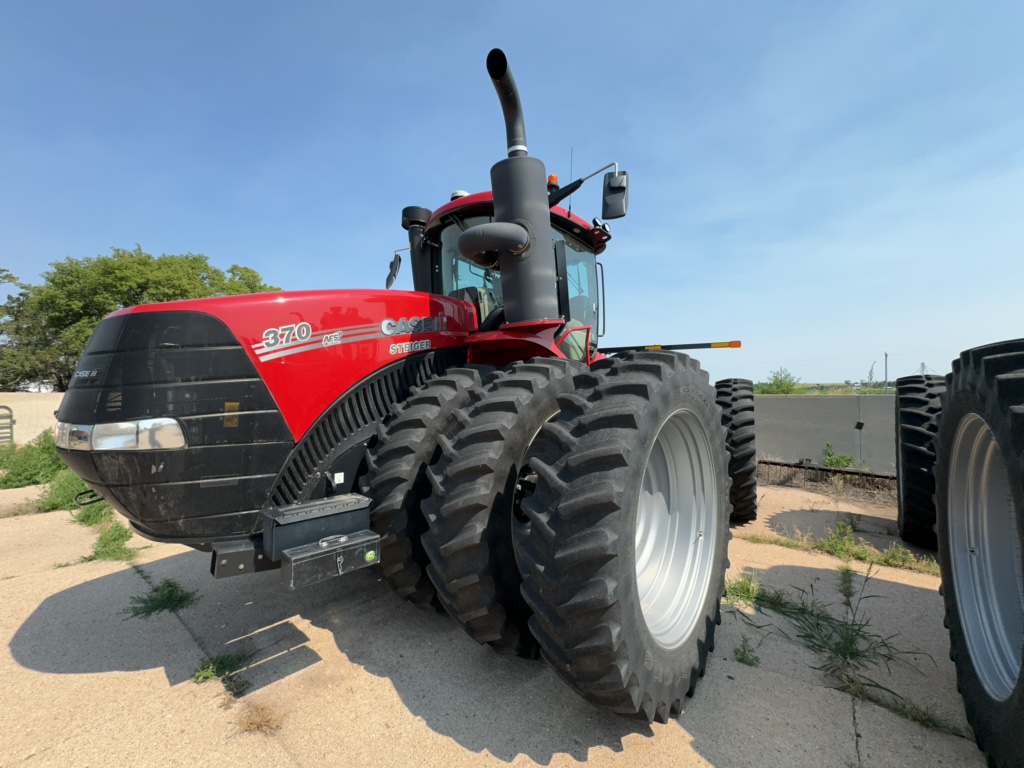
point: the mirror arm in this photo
(560, 194)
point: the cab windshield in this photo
(462, 279)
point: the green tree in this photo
(780, 382)
(44, 328)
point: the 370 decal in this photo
(284, 340)
(286, 334)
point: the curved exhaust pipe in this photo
(520, 234)
(511, 107)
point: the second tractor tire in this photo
(736, 399)
(473, 512)
(980, 513)
(629, 529)
(918, 407)
(397, 481)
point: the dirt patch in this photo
(866, 488)
(19, 501)
(813, 512)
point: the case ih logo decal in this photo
(300, 337)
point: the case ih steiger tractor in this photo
(468, 436)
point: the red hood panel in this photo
(312, 346)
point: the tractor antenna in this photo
(570, 176)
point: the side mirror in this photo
(396, 264)
(616, 195)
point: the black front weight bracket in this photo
(310, 542)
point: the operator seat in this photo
(480, 298)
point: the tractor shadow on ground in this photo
(504, 705)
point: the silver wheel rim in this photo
(985, 557)
(676, 529)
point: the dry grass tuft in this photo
(257, 718)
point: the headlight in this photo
(143, 435)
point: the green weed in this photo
(224, 667)
(846, 645)
(168, 595)
(840, 542)
(31, 464)
(61, 491)
(111, 545)
(838, 461)
(896, 556)
(95, 514)
(745, 653)
(744, 590)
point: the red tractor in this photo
(469, 436)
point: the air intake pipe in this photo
(526, 254)
(414, 219)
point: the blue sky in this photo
(825, 181)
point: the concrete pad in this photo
(902, 606)
(355, 676)
(761, 719)
(42, 541)
(17, 501)
(887, 741)
(93, 687)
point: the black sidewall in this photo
(998, 726)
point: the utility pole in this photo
(886, 389)
(922, 369)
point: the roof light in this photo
(459, 193)
(553, 178)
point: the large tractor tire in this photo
(736, 399)
(397, 481)
(473, 513)
(918, 406)
(629, 529)
(980, 509)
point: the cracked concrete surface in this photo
(357, 677)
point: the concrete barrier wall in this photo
(794, 427)
(33, 412)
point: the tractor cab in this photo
(440, 268)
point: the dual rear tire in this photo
(474, 509)
(396, 477)
(582, 514)
(629, 524)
